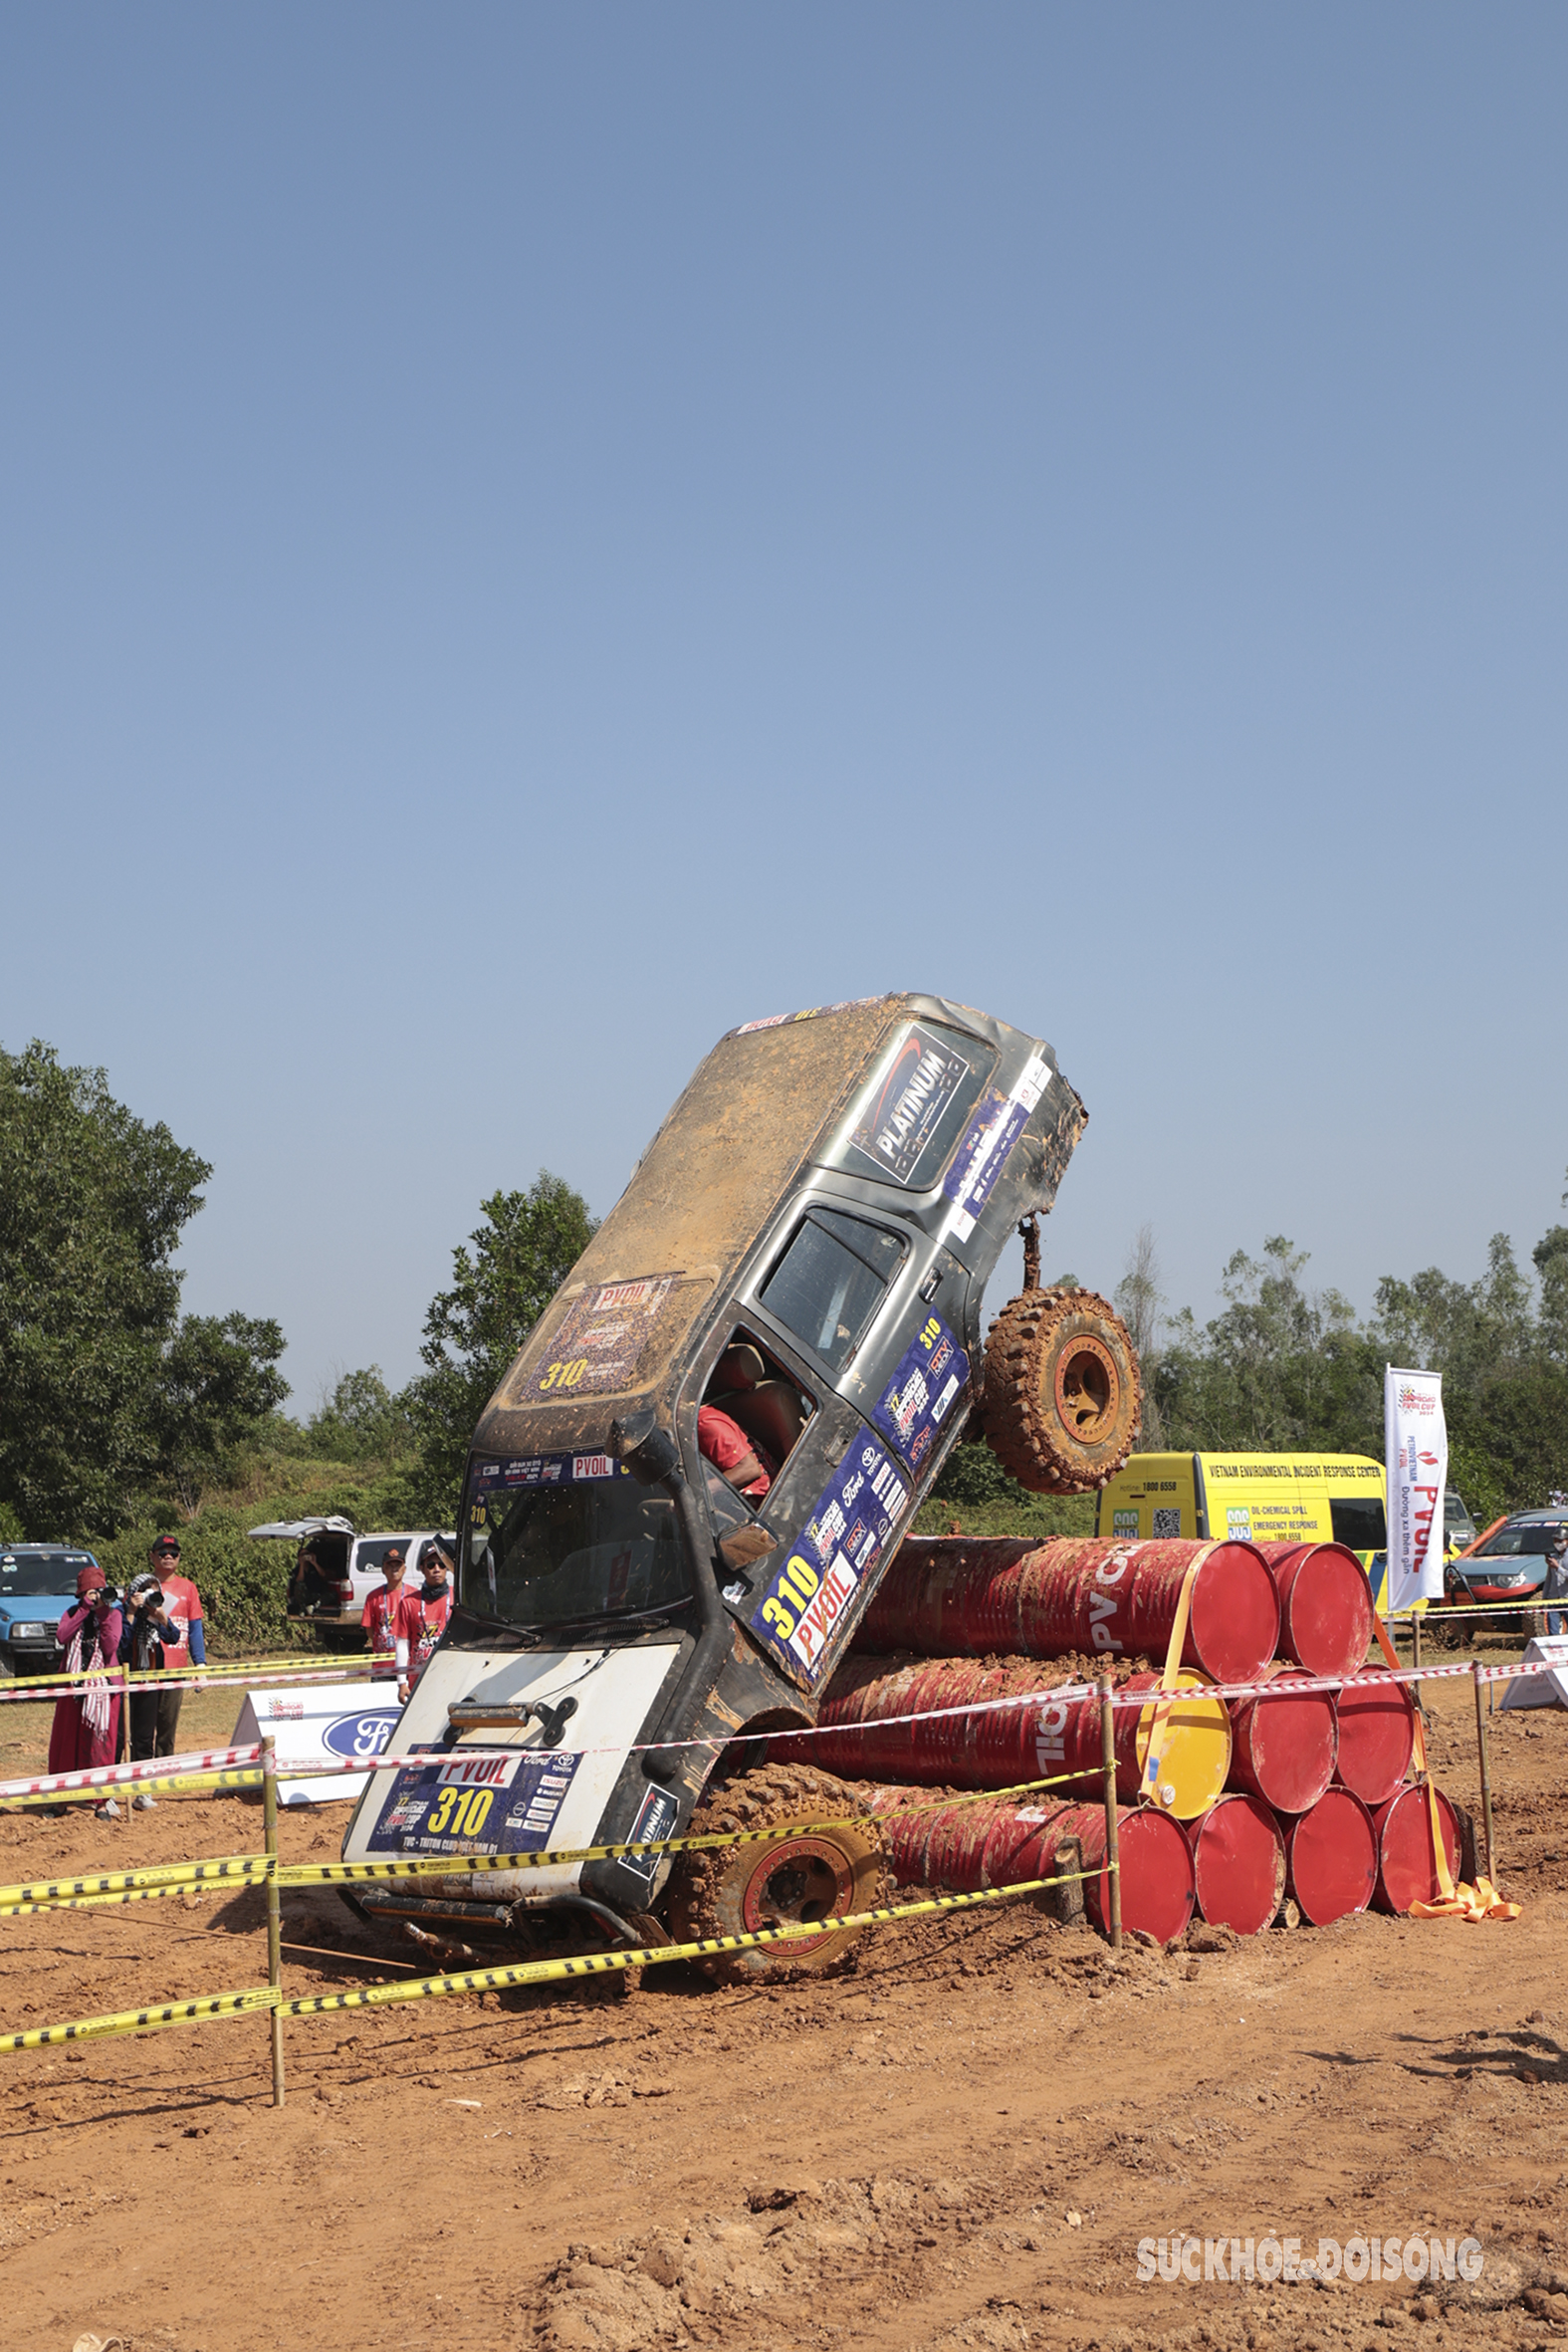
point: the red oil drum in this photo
(1286, 1743)
(950, 1597)
(1325, 1605)
(1090, 1593)
(1377, 1736)
(1004, 1742)
(1331, 1857)
(945, 1846)
(1239, 1864)
(947, 1597)
(959, 1845)
(1407, 1863)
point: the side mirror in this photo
(647, 1450)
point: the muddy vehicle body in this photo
(804, 1247)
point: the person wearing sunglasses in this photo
(184, 1641)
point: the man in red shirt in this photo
(392, 1618)
(185, 1642)
(741, 1458)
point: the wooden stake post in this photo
(1486, 1775)
(269, 1748)
(1113, 1865)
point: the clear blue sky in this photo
(528, 536)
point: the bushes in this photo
(243, 1585)
(975, 1494)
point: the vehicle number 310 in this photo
(794, 1590)
(460, 1812)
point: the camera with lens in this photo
(145, 1593)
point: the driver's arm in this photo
(725, 1444)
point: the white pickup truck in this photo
(336, 1570)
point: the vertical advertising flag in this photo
(1417, 1442)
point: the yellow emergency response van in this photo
(1259, 1498)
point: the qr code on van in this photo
(1167, 1523)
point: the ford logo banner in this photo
(355, 1736)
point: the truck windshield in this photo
(551, 1538)
(1517, 1543)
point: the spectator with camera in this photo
(185, 1642)
(86, 1728)
(145, 1640)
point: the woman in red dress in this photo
(85, 1731)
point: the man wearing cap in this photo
(432, 1609)
(86, 1728)
(1554, 1585)
(185, 1641)
(392, 1618)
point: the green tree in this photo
(522, 1254)
(1281, 1368)
(361, 1421)
(1141, 1303)
(103, 1391)
(1550, 1257)
(216, 1379)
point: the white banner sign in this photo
(1417, 1442)
(313, 1725)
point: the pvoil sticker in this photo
(931, 1375)
(998, 1121)
(808, 1599)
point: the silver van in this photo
(336, 1570)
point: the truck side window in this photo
(831, 1281)
(1358, 1521)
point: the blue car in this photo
(1509, 1567)
(38, 1583)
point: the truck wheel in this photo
(807, 1875)
(1062, 1393)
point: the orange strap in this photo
(1472, 1904)
(1448, 1902)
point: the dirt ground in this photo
(958, 2144)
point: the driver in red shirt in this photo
(743, 1461)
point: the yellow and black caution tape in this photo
(98, 1902)
(17, 1901)
(521, 1972)
(171, 1785)
(174, 2013)
(255, 1869)
(250, 1869)
(598, 1964)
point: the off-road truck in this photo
(804, 1246)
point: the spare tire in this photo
(1062, 1395)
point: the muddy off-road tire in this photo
(817, 1874)
(1063, 1394)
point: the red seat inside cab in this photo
(769, 1409)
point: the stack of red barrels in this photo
(1227, 1805)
